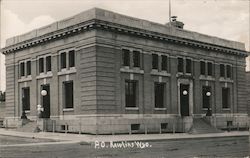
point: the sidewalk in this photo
(107, 138)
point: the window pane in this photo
(202, 67)
(188, 66)
(209, 69)
(154, 61)
(180, 64)
(63, 60)
(130, 93)
(69, 94)
(41, 64)
(222, 70)
(229, 68)
(26, 98)
(225, 98)
(72, 58)
(205, 97)
(22, 69)
(28, 67)
(164, 63)
(159, 95)
(136, 58)
(48, 63)
(125, 57)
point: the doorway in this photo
(184, 99)
(46, 101)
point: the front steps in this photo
(201, 126)
(27, 126)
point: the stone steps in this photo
(200, 126)
(30, 126)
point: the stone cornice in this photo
(109, 26)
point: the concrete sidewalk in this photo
(107, 138)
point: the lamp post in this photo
(41, 108)
(209, 113)
(184, 92)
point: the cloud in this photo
(11, 25)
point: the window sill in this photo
(161, 73)
(135, 70)
(131, 108)
(66, 72)
(44, 75)
(205, 109)
(226, 109)
(24, 79)
(68, 109)
(222, 79)
(27, 111)
(160, 109)
(209, 78)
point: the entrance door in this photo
(184, 99)
(46, 101)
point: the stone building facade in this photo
(109, 73)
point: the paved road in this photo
(207, 147)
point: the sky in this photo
(227, 19)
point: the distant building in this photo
(105, 72)
(248, 92)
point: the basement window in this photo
(164, 126)
(135, 127)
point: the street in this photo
(207, 147)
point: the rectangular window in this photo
(22, 68)
(225, 97)
(48, 63)
(154, 61)
(188, 66)
(72, 58)
(125, 57)
(209, 69)
(26, 98)
(229, 68)
(41, 65)
(68, 94)
(136, 58)
(63, 60)
(180, 65)
(159, 95)
(28, 67)
(130, 92)
(222, 70)
(206, 95)
(202, 68)
(164, 63)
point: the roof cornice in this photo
(100, 24)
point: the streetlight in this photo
(184, 92)
(40, 108)
(209, 113)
